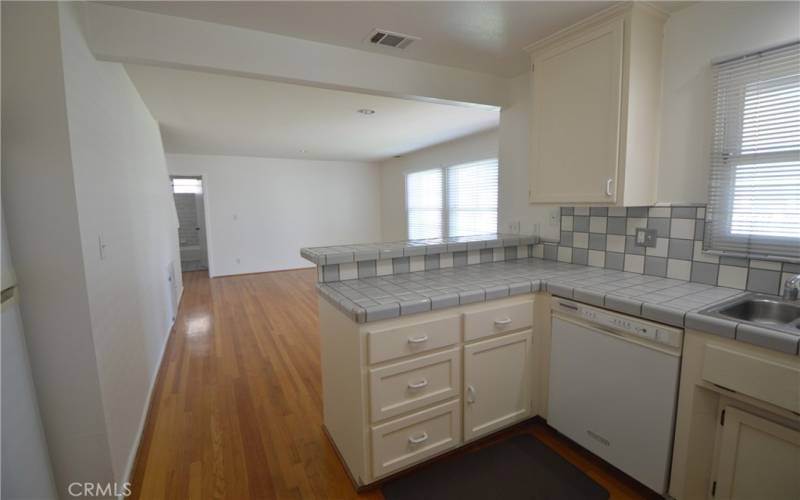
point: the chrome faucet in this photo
(790, 288)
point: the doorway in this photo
(188, 194)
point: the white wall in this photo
(694, 37)
(42, 220)
(509, 143)
(392, 189)
(124, 197)
(82, 158)
(515, 134)
(262, 210)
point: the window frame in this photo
(445, 215)
(731, 161)
(735, 160)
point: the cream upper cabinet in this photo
(595, 90)
(496, 383)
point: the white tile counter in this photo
(659, 299)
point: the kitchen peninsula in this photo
(428, 345)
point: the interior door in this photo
(756, 458)
(201, 228)
(496, 383)
(576, 118)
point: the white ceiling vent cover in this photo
(390, 39)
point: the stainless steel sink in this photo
(771, 312)
(761, 310)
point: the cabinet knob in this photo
(470, 394)
(609, 183)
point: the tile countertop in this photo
(669, 301)
(373, 251)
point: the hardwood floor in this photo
(237, 409)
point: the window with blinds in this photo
(472, 199)
(424, 204)
(754, 189)
(454, 201)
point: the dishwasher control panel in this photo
(646, 330)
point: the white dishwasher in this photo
(613, 387)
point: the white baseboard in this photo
(143, 420)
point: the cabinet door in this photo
(576, 118)
(756, 458)
(496, 383)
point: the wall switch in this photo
(102, 247)
(645, 237)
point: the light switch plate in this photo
(645, 237)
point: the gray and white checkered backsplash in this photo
(604, 237)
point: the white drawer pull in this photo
(418, 340)
(470, 394)
(418, 439)
(418, 385)
(502, 322)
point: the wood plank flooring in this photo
(237, 409)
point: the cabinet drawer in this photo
(486, 322)
(409, 385)
(390, 343)
(753, 375)
(408, 440)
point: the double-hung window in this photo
(754, 188)
(460, 200)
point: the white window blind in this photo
(186, 185)
(424, 202)
(472, 198)
(754, 188)
(460, 200)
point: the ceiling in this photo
(481, 36)
(205, 113)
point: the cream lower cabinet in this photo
(394, 390)
(737, 433)
(496, 383)
(755, 458)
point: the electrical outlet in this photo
(645, 237)
(514, 227)
(555, 217)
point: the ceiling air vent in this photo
(390, 39)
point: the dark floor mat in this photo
(518, 468)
